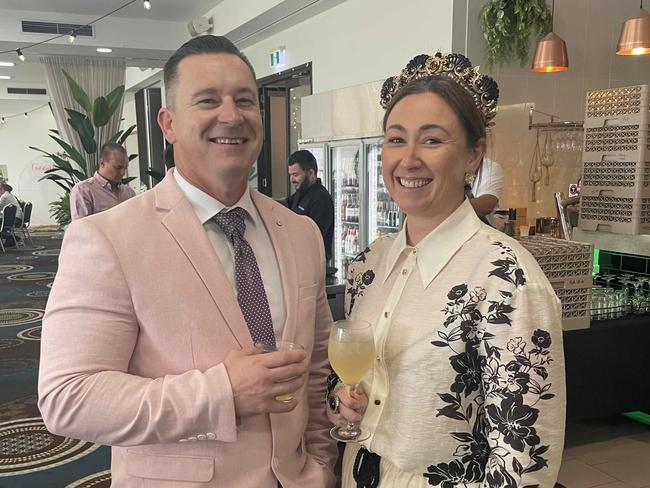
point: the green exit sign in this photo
(278, 58)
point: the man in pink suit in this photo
(148, 337)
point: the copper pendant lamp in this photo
(635, 35)
(551, 54)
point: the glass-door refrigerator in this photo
(347, 186)
(319, 150)
(384, 216)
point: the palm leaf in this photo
(101, 114)
(72, 152)
(80, 123)
(126, 134)
(114, 98)
(79, 94)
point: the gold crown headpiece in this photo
(483, 89)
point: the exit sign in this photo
(278, 58)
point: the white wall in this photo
(230, 14)
(360, 40)
(26, 166)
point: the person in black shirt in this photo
(311, 198)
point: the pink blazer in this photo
(139, 320)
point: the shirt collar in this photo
(437, 248)
(103, 181)
(206, 206)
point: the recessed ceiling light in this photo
(104, 50)
(5, 77)
(7, 63)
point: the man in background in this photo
(486, 189)
(311, 197)
(104, 189)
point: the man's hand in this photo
(256, 379)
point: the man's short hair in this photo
(305, 160)
(108, 148)
(199, 45)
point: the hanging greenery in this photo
(507, 26)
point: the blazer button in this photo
(201, 437)
(377, 402)
(279, 223)
(211, 436)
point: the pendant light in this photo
(551, 55)
(635, 35)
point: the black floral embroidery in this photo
(357, 285)
(514, 387)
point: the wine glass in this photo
(351, 351)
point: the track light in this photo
(146, 4)
(20, 54)
(635, 35)
(72, 37)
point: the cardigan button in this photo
(377, 402)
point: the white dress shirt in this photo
(206, 207)
(457, 323)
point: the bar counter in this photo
(607, 367)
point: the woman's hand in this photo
(352, 405)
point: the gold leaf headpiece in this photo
(483, 89)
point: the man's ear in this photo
(166, 123)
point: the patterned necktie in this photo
(250, 288)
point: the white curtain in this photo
(98, 77)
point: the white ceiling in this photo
(169, 10)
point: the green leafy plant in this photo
(507, 26)
(71, 166)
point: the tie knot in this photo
(232, 221)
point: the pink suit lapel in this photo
(181, 222)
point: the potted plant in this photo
(507, 26)
(71, 165)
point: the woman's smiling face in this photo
(425, 156)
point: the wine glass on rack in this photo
(351, 351)
(643, 296)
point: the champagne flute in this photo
(351, 351)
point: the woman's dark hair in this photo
(458, 99)
(6, 186)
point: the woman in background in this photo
(467, 389)
(8, 198)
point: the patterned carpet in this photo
(31, 457)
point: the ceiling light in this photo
(5, 77)
(146, 4)
(104, 50)
(25, 114)
(550, 54)
(7, 63)
(2, 120)
(635, 35)
(72, 37)
(20, 54)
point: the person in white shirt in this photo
(467, 388)
(486, 188)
